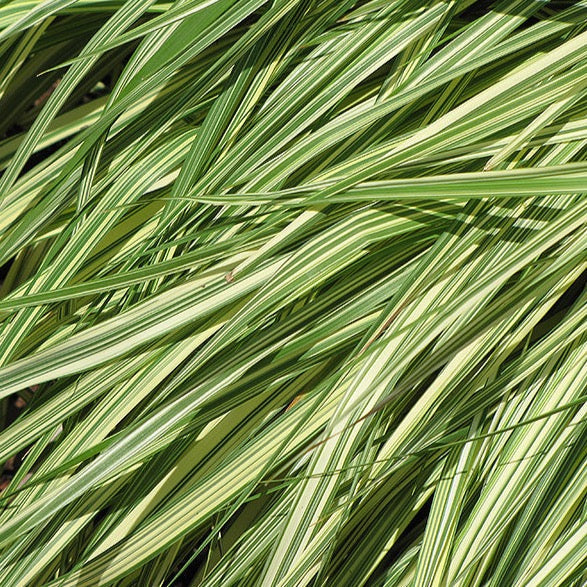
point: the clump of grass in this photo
(298, 286)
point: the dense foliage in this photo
(293, 293)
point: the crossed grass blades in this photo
(293, 293)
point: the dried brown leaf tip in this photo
(295, 400)
(40, 101)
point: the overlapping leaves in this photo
(298, 288)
